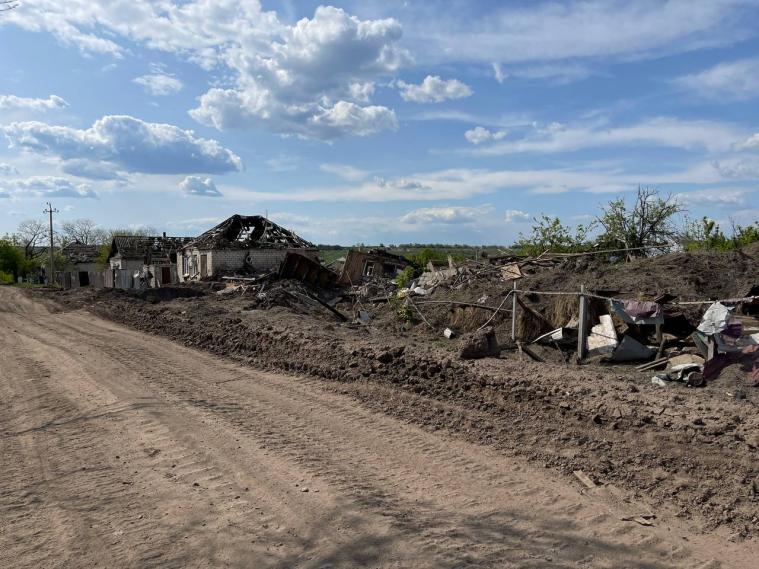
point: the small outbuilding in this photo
(360, 264)
(242, 244)
(81, 260)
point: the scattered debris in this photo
(630, 350)
(360, 265)
(306, 269)
(643, 519)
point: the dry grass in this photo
(566, 308)
(530, 326)
(468, 319)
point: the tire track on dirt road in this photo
(212, 451)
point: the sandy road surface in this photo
(120, 449)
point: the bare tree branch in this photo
(31, 233)
(84, 231)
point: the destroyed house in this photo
(80, 257)
(153, 257)
(81, 260)
(360, 265)
(242, 244)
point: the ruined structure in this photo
(81, 260)
(360, 264)
(242, 244)
(153, 258)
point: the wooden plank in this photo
(529, 352)
(651, 365)
(584, 478)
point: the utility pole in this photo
(51, 211)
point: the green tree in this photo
(84, 231)
(645, 225)
(426, 255)
(549, 234)
(12, 261)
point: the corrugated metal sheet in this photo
(123, 278)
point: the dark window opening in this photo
(389, 269)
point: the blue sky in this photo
(367, 122)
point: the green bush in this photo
(549, 234)
(401, 309)
(12, 261)
(706, 234)
(426, 255)
(6, 278)
(404, 277)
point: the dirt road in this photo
(120, 449)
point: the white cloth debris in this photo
(715, 319)
(603, 337)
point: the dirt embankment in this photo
(694, 449)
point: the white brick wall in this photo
(234, 259)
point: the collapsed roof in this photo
(77, 253)
(250, 232)
(146, 246)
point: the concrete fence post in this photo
(514, 313)
(582, 325)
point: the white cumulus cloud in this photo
(199, 186)
(480, 134)
(447, 214)
(298, 83)
(12, 102)
(349, 118)
(47, 186)
(286, 78)
(433, 89)
(128, 144)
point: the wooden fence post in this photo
(514, 313)
(582, 325)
